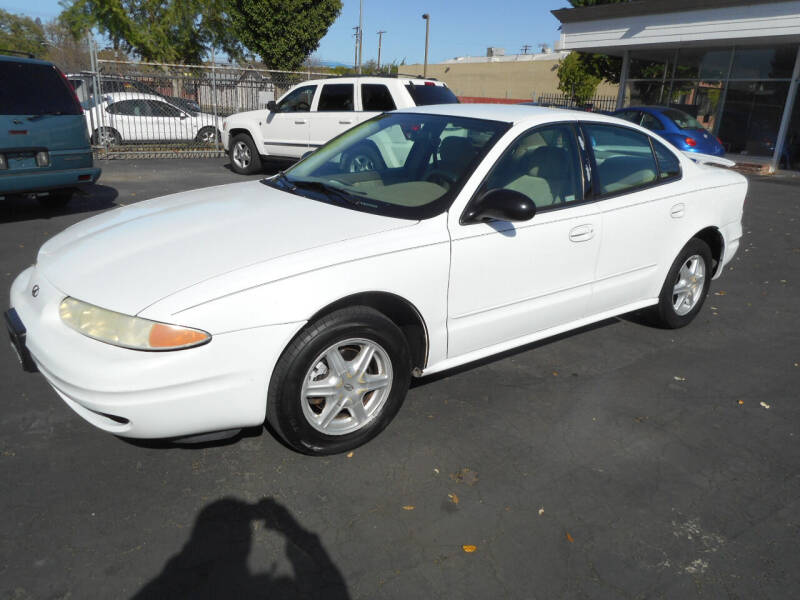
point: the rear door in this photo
(333, 112)
(375, 98)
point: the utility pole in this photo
(360, 32)
(525, 48)
(380, 39)
(356, 66)
(427, 18)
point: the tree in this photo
(282, 32)
(172, 31)
(63, 49)
(21, 33)
(600, 65)
(574, 80)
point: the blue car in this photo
(679, 128)
(44, 144)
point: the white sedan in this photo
(136, 117)
(311, 298)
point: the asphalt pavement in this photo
(619, 461)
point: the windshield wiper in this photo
(281, 176)
(326, 188)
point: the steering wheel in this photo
(441, 177)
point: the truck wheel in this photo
(244, 156)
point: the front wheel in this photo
(208, 135)
(362, 158)
(340, 382)
(686, 286)
(106, 136)
(244, 156)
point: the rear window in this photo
(375, 96)
(681, 119)
(35, 89)
(431, 94)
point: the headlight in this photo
(125, 331)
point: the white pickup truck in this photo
(313, 112)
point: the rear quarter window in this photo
(423, 95)
(35, 89)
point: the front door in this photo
(511, 280)
(285, 131)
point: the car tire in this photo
(243, 154)
(106, 136)
(208, 135)
(362, 158)
(686, 286)
(56, 199)
(371, 350)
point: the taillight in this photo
(720, 141)
(690, 142)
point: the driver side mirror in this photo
(271, 106)
(500, 205)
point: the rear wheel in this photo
(340, 382)
(207, 135)
(244, 155)
(362, 158)
(106, 136)
(686, 286)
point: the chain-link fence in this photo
(596, 104)
(162, 110)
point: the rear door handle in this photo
(300, 122)
(581, 233)
(678, 210)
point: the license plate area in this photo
(17, 334)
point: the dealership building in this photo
(734, 64)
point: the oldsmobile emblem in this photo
(35, 291)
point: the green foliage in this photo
(21, 33)
(283, 33)
(368, 68)
(171, 31)
(600, 65)
(574, 80)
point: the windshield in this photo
(35, 89)
(424, 94)
(398, 164)
(681, 119)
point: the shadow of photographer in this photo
(213, 563)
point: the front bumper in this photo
(221, 385)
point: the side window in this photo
(623, 157)
(298, 101)
(336, 97)
(634, 116)
(543, 164)
(376, 96)
(669, 166)
(162, 109)
(652, 123)
(131, 108)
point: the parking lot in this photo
(619, 461)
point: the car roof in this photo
(511, 113)
(23, 59)
(375, 79)
(118, 96)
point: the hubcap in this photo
(241, 155)
(360, 163)
(346, 386)
(689, 288)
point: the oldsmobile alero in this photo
(309, 299)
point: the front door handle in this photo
(300, 122)
(581, 233)
(677, 211)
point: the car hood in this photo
(127, 259)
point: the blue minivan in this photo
(44, 143)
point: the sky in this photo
(457, 27)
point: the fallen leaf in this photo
(678, 378)
(349, 455)
(541, 511)
(408, 507)
(741, 402)
(765, 405)
(453, 498)
(720, 293)
(569, 538)
(555, 373)
(469, 548)
(465, 476)
(435, 470)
